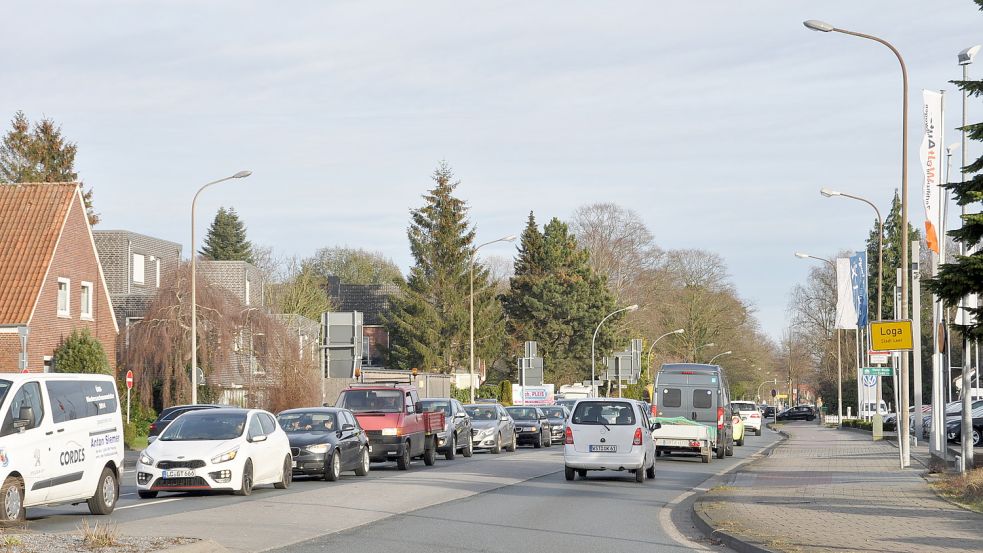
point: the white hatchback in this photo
(749, 413)
(609, 434)
(216, 449)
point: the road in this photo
(508, 502)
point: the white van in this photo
(61, 441)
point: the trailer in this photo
(682, 435)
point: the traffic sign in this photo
(25, 371)
(879, 357)
(891, 335)
(129, 379)
(877, 371)
(774, 392)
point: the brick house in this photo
(51, 282)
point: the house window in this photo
(63, 297)
(157, 273)
(85, 300)
(138, 267)
(49, 364)
(247, 291)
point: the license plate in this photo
(603, 448)
(177, 473)
(677, 443)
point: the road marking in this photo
(149, 503)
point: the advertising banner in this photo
(930, 153)
(532, 395)
(858, 278)
(846, 313)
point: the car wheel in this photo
(568, 473)
(332, 469)
(515, 443)
(468, 449)
(107, 492)
(757, 432)
(741, 441)
(729, 452)
(144, 494)
(12, 494)
(246, 487)
(363, 466)
(721, 453)
(430, 451)
(650, 472)
(497, 448)
(706, 457)
(549, 439)
(640, 474)
(539, 443)
(403, 461)
(287, 476)
(452, 448)
(976, 437)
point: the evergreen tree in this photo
(226, 239)
(81, 353)
(429, 323)
(40, 155)
(556, 299)
(892, 260)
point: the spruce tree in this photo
(429, 323)
(892, 260)
(226, 238)
(556, 299)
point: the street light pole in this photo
(593, 372)
(839, 344)
(698, 348)
(474, 253)
(714, 358)
(194, 298)
(652, 348)
(902, 420)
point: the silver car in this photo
(492, 427)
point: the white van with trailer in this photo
(61, 441)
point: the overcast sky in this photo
(716, 121)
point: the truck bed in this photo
(682, 434)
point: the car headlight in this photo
(390, 432)
(146, 459)
(227, 456)
(318, 448)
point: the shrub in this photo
(81, 353)
(487, 391)
(462, 394)
(505, 393)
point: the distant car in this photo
(567, 402)
(798, 413)
(456, 435)
(557, 415)
(492, 427)
(769, 412)
(325, 441)
(168, 414)
(227, 449)
(609, 434)
(953, 431)
(749, 414)
(531, 426)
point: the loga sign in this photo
(891, 336)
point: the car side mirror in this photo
(347, 427)
(260, 438)
(505, 417)
(655, 426)
(461, 415)
(151, 439)
(417, 407)
(25, 418)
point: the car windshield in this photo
(604, 412)
(434, 406)
(372, 401)
(555, 412)
(204, 425)
(4, 388)
(482, 413)
(308, 421)
(523, 413)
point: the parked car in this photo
(61, 442)
(228, 449)
(700, 394)
(168, 414)
(954, 428)
(531, 426)
(749, 414)
(769, 412)
(609, 434)
(456, 435)
(493, 427)
(798, 413)
(325, 441)
(557, 415)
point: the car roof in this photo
(311, 410)
(489, 404)
(224, 411)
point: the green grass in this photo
(965, 489)
(139, 443)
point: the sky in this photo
(717, 122)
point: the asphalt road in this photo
(508, 502)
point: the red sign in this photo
(129, 379)
(25, 371)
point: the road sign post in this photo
(129, 386)
(877, 371)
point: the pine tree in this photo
(556, 299)
(40, 155)
(226, 239)
(892, 260)
(429, 323)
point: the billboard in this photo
(532, 395)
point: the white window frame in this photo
(247, 291)
(67, 312)
(139, 268)
(157, 273)
(85, 311)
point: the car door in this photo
(647, 441)
(348, 441)
(258, 450)
(278, 444)
(70, 437)
(28, 449)
(507, 425)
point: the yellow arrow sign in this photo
(891, 335)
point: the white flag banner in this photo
(931, 156)
(846, 313)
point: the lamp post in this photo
(474, 253)
(593, 373)
(652, 348)
(839, 344)
(826, 28)
(194, 298)
(714, 358)
(697, 348)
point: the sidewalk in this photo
(832, 490)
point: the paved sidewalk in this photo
(833, 490)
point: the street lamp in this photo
(714, 358)
(474, 253)
(593, 373)
(697, 348)
(194, 302)
(839, 343)
(826, 27)
(652, 347)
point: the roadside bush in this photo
(487, 391)
(81, 353)
(462, 394)
(505, 393)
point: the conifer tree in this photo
(226, 238)
(892, 259)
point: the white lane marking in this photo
(149, 503)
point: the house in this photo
(244, 280)
(135, 266)
(51, 282)
(373, 301)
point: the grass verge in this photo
(965, 489)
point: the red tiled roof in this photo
(31, 219)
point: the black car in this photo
(557, 415)
(768, 412)
(798, 413)
(325, 441)
(531, 426)
(168, 415)
(954, 430)
(457, 427)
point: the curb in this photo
(203, 546)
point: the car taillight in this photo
(153, 426)
(655, 410)
(720, 418)
(755, 416)
(568, 436)
(638, 437)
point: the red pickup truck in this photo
(394, 421)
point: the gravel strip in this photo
(29, 542)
